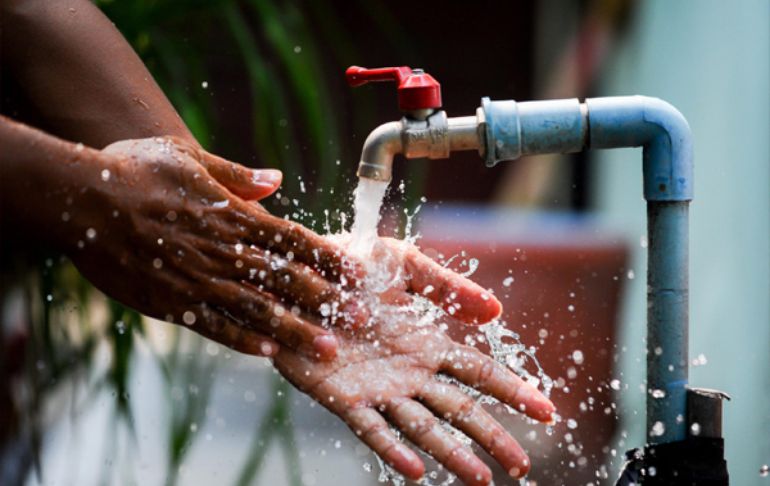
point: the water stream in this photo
(367, 203)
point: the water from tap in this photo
(367, 204)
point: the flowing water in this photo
(367, 203)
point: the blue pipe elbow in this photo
(662, 131)
(514, 129)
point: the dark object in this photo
(696, 461)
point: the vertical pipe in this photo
(513, 129)
(667, 315)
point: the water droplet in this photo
(764, 471)
(658, 429)
(695, 429)
(658, 394)
(700, 360)
(91, 233)
(105, 175)
(630, 274)
(615, 384)
(189, 318)
(157, 263)
(507, 281)
(577, 356)
(204, 84)
(297, 49)
(572, 424)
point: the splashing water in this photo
(505, 345)
(368, 200)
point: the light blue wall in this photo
(711, 59)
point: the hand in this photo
(170, 234)
(391, 373)
(397, 270)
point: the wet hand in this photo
(393, 371)
(393, 374)
(404, 271)
(173, 231)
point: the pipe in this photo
(382, 144)
(506, 130)
(514, 129)
(434, 137)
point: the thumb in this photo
(246, 183)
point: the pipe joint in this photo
(513, 129)
(658, 127)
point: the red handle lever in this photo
(417, 90)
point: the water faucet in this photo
(506, 130)
(423, 131)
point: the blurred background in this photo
(94, 394)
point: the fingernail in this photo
(267, 177)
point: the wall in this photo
(711, 59)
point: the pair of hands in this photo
(188, 243)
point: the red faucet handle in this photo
(417, 90)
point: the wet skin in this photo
(173, 231)
(389, 373)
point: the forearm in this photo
(82, 75)
(49, 188)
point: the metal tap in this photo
(423, 131)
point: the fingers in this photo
(464, 413)
(294, 282)
(422, 428)
(306, 246)
(254, 309)
(474, 368)
(246, 183)
(373, 430)
(219, 328)
(460, 297)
